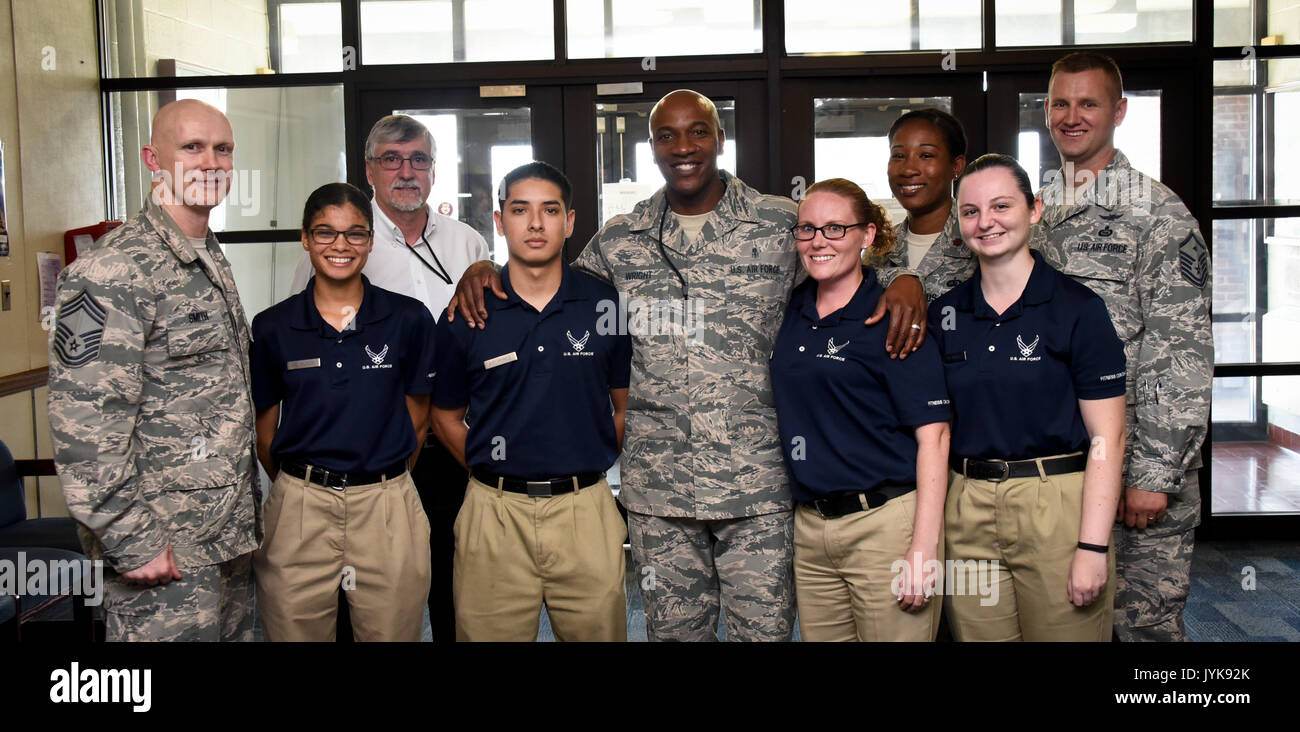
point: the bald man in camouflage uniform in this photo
(1133, 242)
(150, 404)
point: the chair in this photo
(53, 541)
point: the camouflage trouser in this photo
(687, 568)
(1153, 570)
(212, 603)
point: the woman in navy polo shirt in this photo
(342, 374)
(865, 437)
(1036, 376)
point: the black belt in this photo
(844, 504)
(1000, 470)
(537, 488)
(339, 480)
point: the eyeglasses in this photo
(326, 236)
(393, 161)
(806, 232)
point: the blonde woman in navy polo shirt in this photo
(1036, 375)
(342, 374)
(865, 437)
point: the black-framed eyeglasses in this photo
(393, 161)
(806, 232)
(326, 236)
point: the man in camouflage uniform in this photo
(1130, 239)
(707, 265)
(150, 404)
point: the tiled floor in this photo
(1252, 477)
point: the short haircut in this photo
(336, 194)
(1080, 61)
(398, 128)
(541, 171)
(954, 135)
(998, 160)
(864, 209)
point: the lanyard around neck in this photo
(436, 267)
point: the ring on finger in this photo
(915, 326)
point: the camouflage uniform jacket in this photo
(150, 405)
(1133, 242)
(948, 263)
(701, 437)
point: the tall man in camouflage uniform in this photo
(709, 509)
(150, 404)
(1130, 239)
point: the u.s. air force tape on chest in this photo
(492, 363)
(305, 363)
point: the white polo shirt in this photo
(394, 266)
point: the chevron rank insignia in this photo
(79, 330)
(1194, 261)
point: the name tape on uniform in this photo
(492, 363)
(306, 363)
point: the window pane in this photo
(1038, 23)
(625, 165)
(310, 36)
(475, 150)
(1240, 175)
(1234, 73)
(851, 140)
(217, 38)
(828, 26)
(263, 272)
(665, 28)
(1037, 153)
(1256, 451)
(1250, 325)
(429, 31)
(1233, 23)
(288, 142)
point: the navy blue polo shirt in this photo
(537, 384)
(847, 412)
(342, 395)
(1016, 378)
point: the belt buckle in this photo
(818, 504)
(325, 479)
(1006, 471)
(538, 488)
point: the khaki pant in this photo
(844, 575)
(515, 553)
(371, 540)
(1020, 535)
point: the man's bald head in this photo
(686, 97)
(190, 153)
(171, 117)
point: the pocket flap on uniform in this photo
(197, 475)
(194, 330)
(1098, 266)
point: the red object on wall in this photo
(94, 232)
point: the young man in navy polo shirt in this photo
(546, 390)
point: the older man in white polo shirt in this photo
(420, 253)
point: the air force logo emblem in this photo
(377, 358)
(577, 343)
(1027, 349)
(1194, 261)
(833, 349)
(79, 330)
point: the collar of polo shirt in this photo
(1038, 290)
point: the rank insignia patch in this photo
(1194, 261)
(79, 330)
